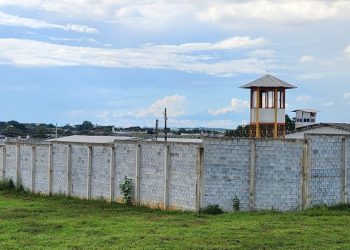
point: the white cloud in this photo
(312, 76)
(307, 59)
(174, 104)
(173, 123)
(185, 123)
(237, 42)
(80, 39)
(142, 11)
(236, 105)
(283, 11)
(329, 104)
(304, 98)
(229, 124)
(10, 20)
(103, 115)
(220, 11)
(23, 52)
(263, 53)
(76, 113)
(347, 50)
(347, 97)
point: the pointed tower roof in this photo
(268, 81)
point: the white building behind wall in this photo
(320, 128)
(305, 117)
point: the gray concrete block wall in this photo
(1, 162)
(41, 170)
(348, 170)
(226, 172)
(278, 175)
(59, 168)
(325, 170)
(101, 157)
(80, 164)
(152, 174)
(182, 176)
(125, 162)
(25, 166)
(11, 162)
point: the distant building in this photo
(305, 117)
(186, 140)
(321, 128)
(92, 139)
(267, 106)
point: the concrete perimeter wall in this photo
(329, 170)
(264, 174)
(163, 174)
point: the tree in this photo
(240, 131)
(17, 125)
(87, 126)
(290, 123)
(182, 131)
(41, 132)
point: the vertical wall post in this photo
(33, 168)
(252, 175)
(344, 163)
(305, 175)
(199, 177)
(89, 172)
(4, 162)
(112, 175)
(50, 169)
(166, 176)
(284, 106)
(18, 159)
(138, 173)
(69, 171)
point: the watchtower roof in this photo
(268, 81)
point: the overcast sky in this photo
(121, 62)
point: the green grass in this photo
(28, 221)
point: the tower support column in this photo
(257, 118)
(275, 104)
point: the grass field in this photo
(28, 221)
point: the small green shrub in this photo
(19, 186)
(212, 209)
(126, 188)
(340, 207)
(236, 203)
(7, 184)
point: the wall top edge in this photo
(134, 142)
(253, 139)
(326, 135)
(198, 144)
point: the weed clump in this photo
(236, 203)
(212, 209)
(7, 184)
(126, 188)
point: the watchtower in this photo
(267, 106)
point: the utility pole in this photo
(156, 131)
(165, 125)
(56, 132)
